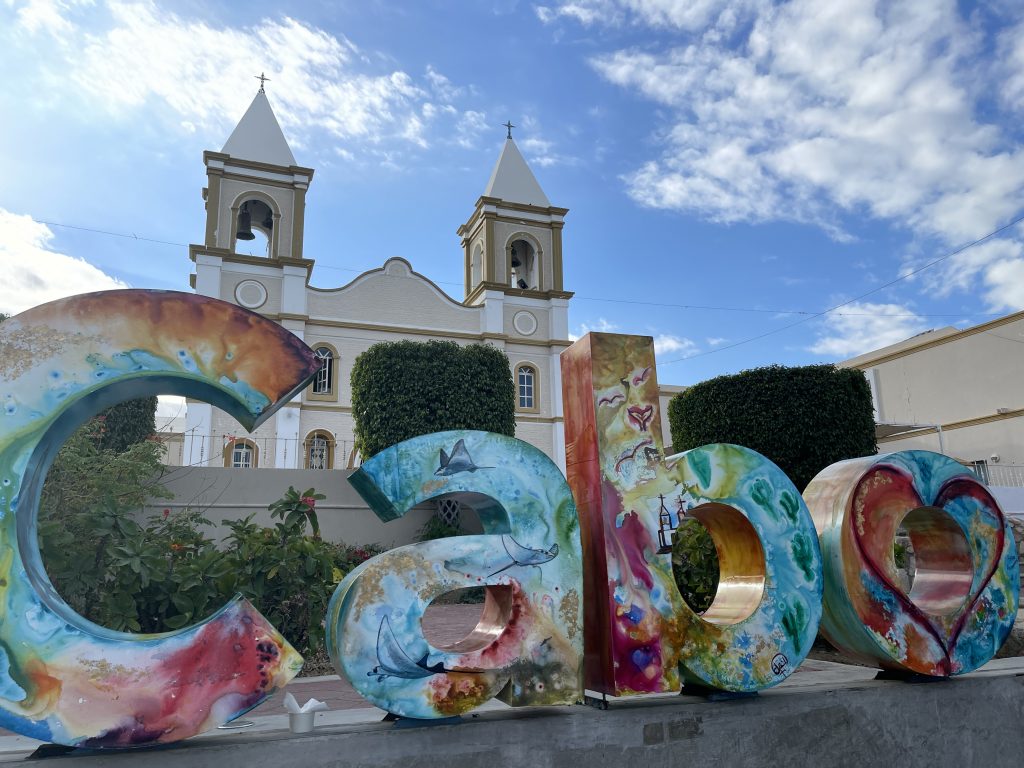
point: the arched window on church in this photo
(254, 228)
(325, 383)
(524, 272)
(320, 450)
(476, 266)
(527, 393)
(241, 453)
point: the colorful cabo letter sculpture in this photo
(641, 637)
(528, 646)
(62, 678)
(963, 600)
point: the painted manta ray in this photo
(521, 555)
(393, 661)
(459, 461)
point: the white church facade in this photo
(514, 299)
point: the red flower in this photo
(175, 547)
(167, 513)
(309, 501)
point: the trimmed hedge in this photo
(402, 389)
(802, 418)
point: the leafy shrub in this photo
(167, 573)
(403, 389)
(803, 418)
(695, 564)
(437, 528)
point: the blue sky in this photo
(749, 160)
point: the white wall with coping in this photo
(231, 494)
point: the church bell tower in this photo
(513, 239)
(251, 255)
(255, 200)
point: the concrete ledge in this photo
(835, 717)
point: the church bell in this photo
(245, 224)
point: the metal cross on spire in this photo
(510, 127)
(262, 78)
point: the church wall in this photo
(515, 327)
(538, 434)
(229, 280)
(404, 301)
(336, 421)
(224, 427)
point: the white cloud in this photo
(34, 273)
(714, 341)
(866, 327)
(442, 86)
(601, 326)
(584, 11)
(47, 15)
(665, 344)
(1011, 66)
(319, 81)
(807, 111)
(469, 127)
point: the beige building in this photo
(957, 392)
(514, 299)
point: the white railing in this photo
(1006, 475)
(218, 450)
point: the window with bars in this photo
(323, 384)
(319, 451)
(243, 455)
(526, 378)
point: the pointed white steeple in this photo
(513, 239)
(258, 136)
(513, 181)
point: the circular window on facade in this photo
(524, 323)
(250, 294)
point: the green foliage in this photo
(437, 528)
(289, 576)
(404, 389)
(125, 424)
(88, 480)
(695, 564)
(167, 573)
(803, 418)
(899, 554)
(295, 506)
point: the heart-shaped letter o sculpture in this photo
(963, 599)
(528, 646)
(62, 678)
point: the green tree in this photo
(127, 423)
(802, 418)
(90, 497)
(403, 389)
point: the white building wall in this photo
(966, 382)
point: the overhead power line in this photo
(808, 314)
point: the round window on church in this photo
(524, 323)
(250, 294)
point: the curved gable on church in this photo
(393, 295)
